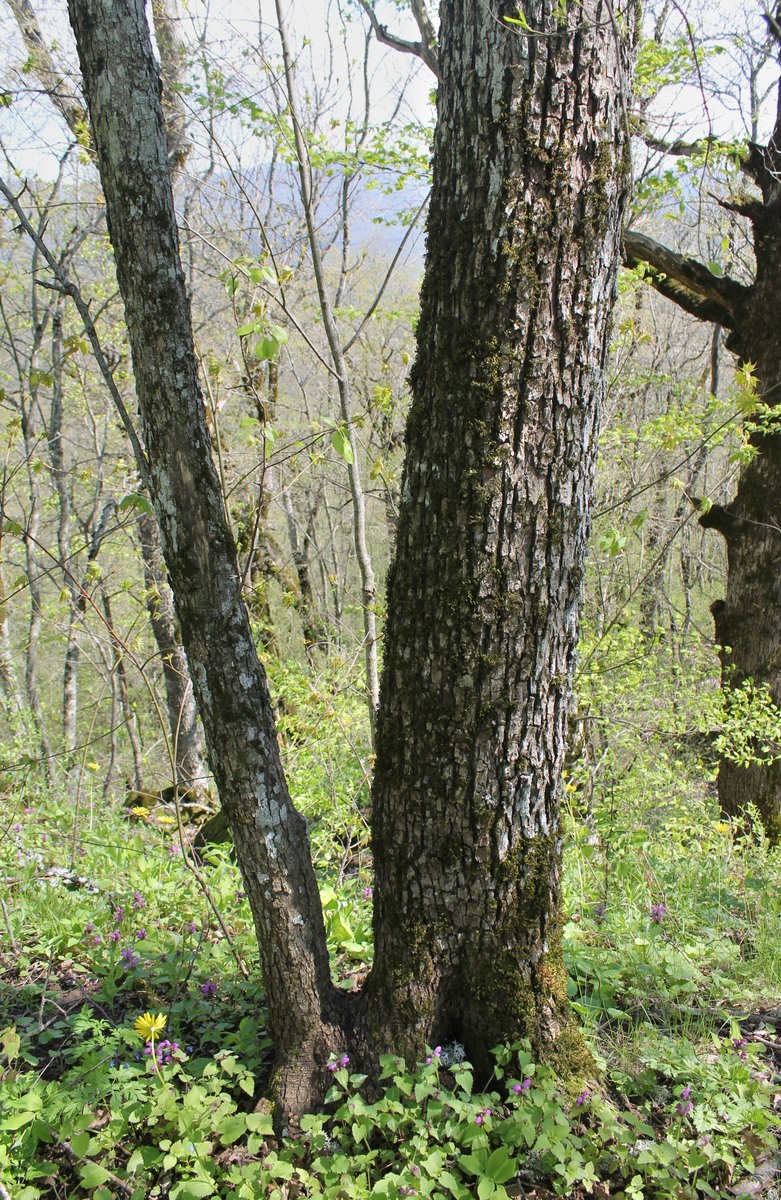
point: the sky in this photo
(322, 32)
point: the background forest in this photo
(133, 1047)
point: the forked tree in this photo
(523, 239)
(748, 619)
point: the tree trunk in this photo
(484, 595)
(748, 619)
(271, 839)
(187, 747)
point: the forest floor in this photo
(133, 1048)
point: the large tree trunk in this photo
(748, 619)
(523, 241)
(122, 89)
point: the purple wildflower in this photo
(166, 1051)
(129, 958)
(114, 936)
(657, 913)
(141, 934)
(119, 915)
(522, 1087)
(97, 940)
(191, 927)
(138, 901)
(599, 911)
(368, 893)
(480, 1118)
(209, 989)
(685, 1105)
(739, 1046)
(583, 1098)
(89, 927)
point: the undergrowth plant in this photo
(133, 1041)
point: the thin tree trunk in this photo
(190, 766)
(121, 697)
(271, 838)
(358, 496)
(8, 678)
(484, 594)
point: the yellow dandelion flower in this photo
(140, 812)
(147, 1027)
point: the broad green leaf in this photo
(136, 501)
(341, 444)
(80, 1143)
(232, 1128)
(266, 350)
(93, 1175)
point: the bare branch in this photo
(685, 280)
(679, 148)
(425, 49)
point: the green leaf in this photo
(80, 1143)
(19, 1121)
(339, 929)
(246, 330)
(341, 444)
(189, 1189)
(93, 1175)
(232, 1128)
(500, 1167)
(136, 501)
(260, 1123)
(473, 1163)
(266, 350)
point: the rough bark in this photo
(122, 88)
(748, 619)
(484, 595)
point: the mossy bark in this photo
(523, 237)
